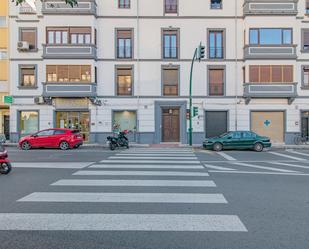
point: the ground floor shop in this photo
(153, 121)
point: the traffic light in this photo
(195, 111)
(201, 52)
(188, 114)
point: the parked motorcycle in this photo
(118, 141)
(5, 165)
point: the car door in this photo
(233, 140)
(42, 138)
(248, 139)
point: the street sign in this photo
(8, 99)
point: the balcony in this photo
(76, 51)
(270, 52)
(84, 7)
(69, 89)
(270, 7)
(270, 90)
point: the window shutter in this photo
(307, 4)
(306, 37)
(80, 30)
(29, 36)
(170, 76)
(63, 73)
(265, 74)
(216, 82)
(287, 73)
(74, 73)
(124, 34)
(276, 74)
(254, 74)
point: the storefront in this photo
(125, 120)
(305, 123)
(28, 122)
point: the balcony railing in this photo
(270, 7)
(270, 90)
(270, 52)
(69, 89)
(69, 51)
(57, 7)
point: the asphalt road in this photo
(152, 199)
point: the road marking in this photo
(151, 161)
(290, 165)
(121, 222)
(217, 167)
(137, 173)
(52, 165)
(157, 155)
(124, 197)
(263, 167)
(287, 156)
(130, 183)
(258, 173)
(250, 161)
(149, 157)
(297, 152)
(148, 166)
(226, 156)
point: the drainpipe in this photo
(138, 65)
(236, 66)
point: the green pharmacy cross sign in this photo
(7, 99)
(267, 123)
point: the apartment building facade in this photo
(4, 70)
(106, 65)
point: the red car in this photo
(52, 138)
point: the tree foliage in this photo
(70, 2)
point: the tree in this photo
(70, 2)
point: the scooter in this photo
(5, 164)
(120, 140)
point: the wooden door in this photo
(170, 125)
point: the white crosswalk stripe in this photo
(217, 167)
(298, 153)
(58, 165)
(287, 156)
(290, 165)
(129, 183)
(226, 156)
(263, 167)
(177, 177)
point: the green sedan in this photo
(237, 140)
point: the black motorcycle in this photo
(118, 141)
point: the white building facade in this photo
(110, 65)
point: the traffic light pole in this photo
(191, 111)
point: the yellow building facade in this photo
(4, 68)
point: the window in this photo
(123, 4)
(269, 36)
(215, 44)
(307, 7)
(124, 78)
(305, 40)
(305, 83)
(216, 4)
(124, 44)
(216, 82)
(73, 35)
(124, 120)
(29, 122)
(271, 74)
(236, 135)
(61, 132)
(29, 35)
(170, 6)
(2, 21)
(170, 44)
(170, 77)
(248, 134)
(45, 133)
(27, 76)
(3, 55)
(68, 73)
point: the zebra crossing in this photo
(161, 182)
(288, 162)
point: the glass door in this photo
(75, 121)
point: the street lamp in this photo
(199, 54)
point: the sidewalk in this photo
(198, 146)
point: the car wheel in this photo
(26, 145)
(258, 147)
(64, 145)
(217, 147)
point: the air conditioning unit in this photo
(23, 46)
(39, 100)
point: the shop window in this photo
(124, 120)
(29, 122)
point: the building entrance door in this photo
(6, 126)
(305, 124)
(170, 125)
(74, 120)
